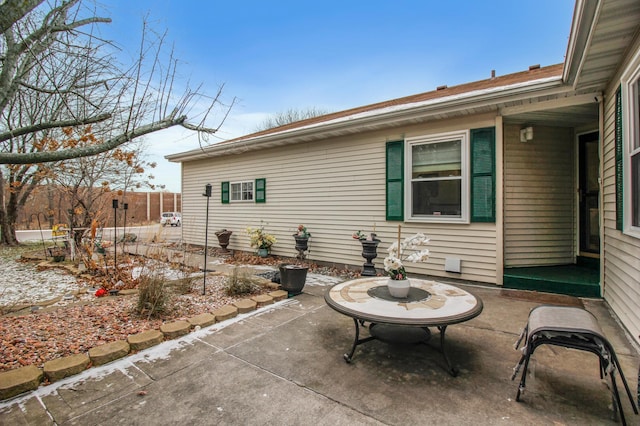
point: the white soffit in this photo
(597, 47)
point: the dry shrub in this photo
(241, 281)
(153, 295)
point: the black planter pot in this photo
(293, 278)
(223, 238)
(302, 245)
(369, 252)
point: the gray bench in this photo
(574, 328)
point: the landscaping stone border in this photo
(25, 379)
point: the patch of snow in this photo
(22, 283)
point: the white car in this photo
(171, 218)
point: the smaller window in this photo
(241, 191)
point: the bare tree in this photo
(131, 102)
(290, 116)
(56, 74)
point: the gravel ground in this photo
(79, 320)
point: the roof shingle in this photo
(505, 80)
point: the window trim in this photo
(630, 132)
(241, 183)
(463, 136)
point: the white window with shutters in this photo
(437, 174)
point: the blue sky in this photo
(335, 55)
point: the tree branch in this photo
(66, 154)
(198, 129)
(51, 125)
(11, 11)
(72, 90)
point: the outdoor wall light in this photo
(526, 134)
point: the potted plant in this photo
(261, 240)
(293, 277)
(223, 238)
(408, 250)
(302, 241)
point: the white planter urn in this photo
(398, 288)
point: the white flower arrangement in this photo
(398, 253)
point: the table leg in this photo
(452, 370)
(356, 341)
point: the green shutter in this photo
(619, 160)
(483, 175)
(395, 180)
(225, 193)
(261, 190)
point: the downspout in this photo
(499, 201)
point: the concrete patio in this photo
(283, 365)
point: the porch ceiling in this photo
(568, 116)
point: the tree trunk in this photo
(8, 214)
(7, 226)
(8, 237)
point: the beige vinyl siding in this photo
(334, 187)
(539, 212)
(621, 253)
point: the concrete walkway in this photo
(283, 365)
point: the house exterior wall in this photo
(621, 253)
(335, 187)
(539, 197)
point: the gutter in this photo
(585, 16)
(386, 116)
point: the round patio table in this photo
(428, 304)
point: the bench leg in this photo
(523, 379)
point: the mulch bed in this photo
(34, 337)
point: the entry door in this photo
(589, 193)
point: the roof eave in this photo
(584, 20)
